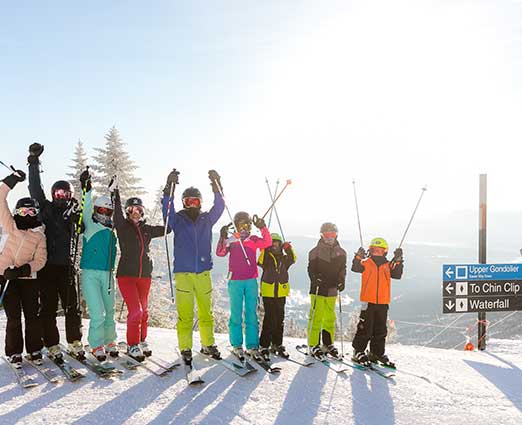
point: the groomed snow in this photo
(457, 388)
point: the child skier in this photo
(57, 278)
(193, 262)
(275, 262)
(377, 273)
(134, 272)
(97, 263)
(327, 272)
(242, 287)
(24, 254)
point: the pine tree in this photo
(112, 160)
(79, 163)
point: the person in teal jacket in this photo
(97, 264)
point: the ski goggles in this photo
(104, 211)
(62, 194)
(135, 209)
(26, 211)
(329, 235)
(245, 225)
(192, 202)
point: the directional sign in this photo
(476, 304)
(482, 288)
(467, 272)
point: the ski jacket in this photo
(22, 246)
(58, 225)
(193, 239)
(134, 240)
(99, 242)
(326, 268)
(237, 264)
(376, 278)
(274, 280)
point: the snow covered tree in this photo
(112, 160)
(79, 163)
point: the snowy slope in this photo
(459, 388)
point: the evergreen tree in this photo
(113, 159)
(79, 163)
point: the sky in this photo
(393, 95)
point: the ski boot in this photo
(147, 352)
(16, 360)
(56, 353)
(186, 356)
(317, 352)
(35, 357)
(381, 360)
(76, 349)
(239, 353)
(265, 353)
(135, 352)
(212, 351)
(280, 350)
(255, 354)
(360, 357)
(331, 351)
(112, 349)
(99, 353)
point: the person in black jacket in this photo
(327, 272)
(134, 273)
(57, 278)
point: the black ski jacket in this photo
(326, 268)
(134, 241)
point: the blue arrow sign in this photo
(470, 272)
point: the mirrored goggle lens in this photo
(192, 202)
(62, 194)
(104, 211)
(330, 235)
(26, 211)
(135, 209)
(244, 226)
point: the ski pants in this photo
(243, 292)
(100, 302)
(135, 293)
(323, 323)
(22, 295)
(372, 328)
(56, 282)
(188, 287)
(273, 322)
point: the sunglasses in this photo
(26, 211)
(104, 211)
(330, 235)
(62, 194)
(191, 202)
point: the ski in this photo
(69, 372)
(387, 375)
(161, 369)
(103, 371)
(24, 380)
(306, 363)
(158, 371)
(45, 370)
(230, 365)
(244, 362)
(337, 367)
(192, 374)
(163, 363)
(266, 365)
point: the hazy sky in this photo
(393, 94)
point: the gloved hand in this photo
(340, 286)
(286, 246)
(16, 272)
(397, 256)
(85, 180)
(172, 179)
(258, 222)
(215, 181)
(113, 184)
(223, 233)
(35, 150)
(12, 179)
(361, 253)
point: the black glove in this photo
(397, 256)
(35, 150)
(172, 179)
(361, 253)
(258, 222)
(16, 272)
(340, 286)
(12, 179)
(85, 180)
(223, 233)
(215, 181)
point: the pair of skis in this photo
(23, 378)
(156, 366)
(102, 369)
(266, 365)
(68, 371)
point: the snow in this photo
(432, 386)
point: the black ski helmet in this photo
(328, 227)
(27, 203)
(242, 217)
(133, 202)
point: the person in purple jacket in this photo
(243, 286)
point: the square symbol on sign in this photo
(461, 272)
(461, 288)
(461, 304)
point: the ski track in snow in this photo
(435, 387)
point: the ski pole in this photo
(341, 324)
(11, 168)
(271, 198)
(357, 209)
(4, 292)
(121, 310)
(167, 242)
(275, 209)
(288, 183)
(413, 215)
(312, 316)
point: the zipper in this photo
(142, 249)
(196, 244)
(377, 294)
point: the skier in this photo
(327, 272)
(275, 262)
(193, 262)
(57, 278)
(24, 254)
(242, 286)
(97, 263)
(134, 273)
(377, 273)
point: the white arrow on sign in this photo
(449, 272)
(450, 305)
(449, 289)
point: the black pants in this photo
(22, 295)
(55, 282)
(273, 322)
(372, 327)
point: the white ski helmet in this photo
(103, 210)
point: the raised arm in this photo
(217, 209)
(222, 247)
(265, 241)
(119, 218)
(357, 265)
(6, 219)
(35, 184)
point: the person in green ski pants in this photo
(97, 263)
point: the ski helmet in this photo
(188, 196)
(26, 214)
(276, 237)
(379, 243)
(242, 217)
(27, 203)
(133, 202)
(328, 227)
(103, 210)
